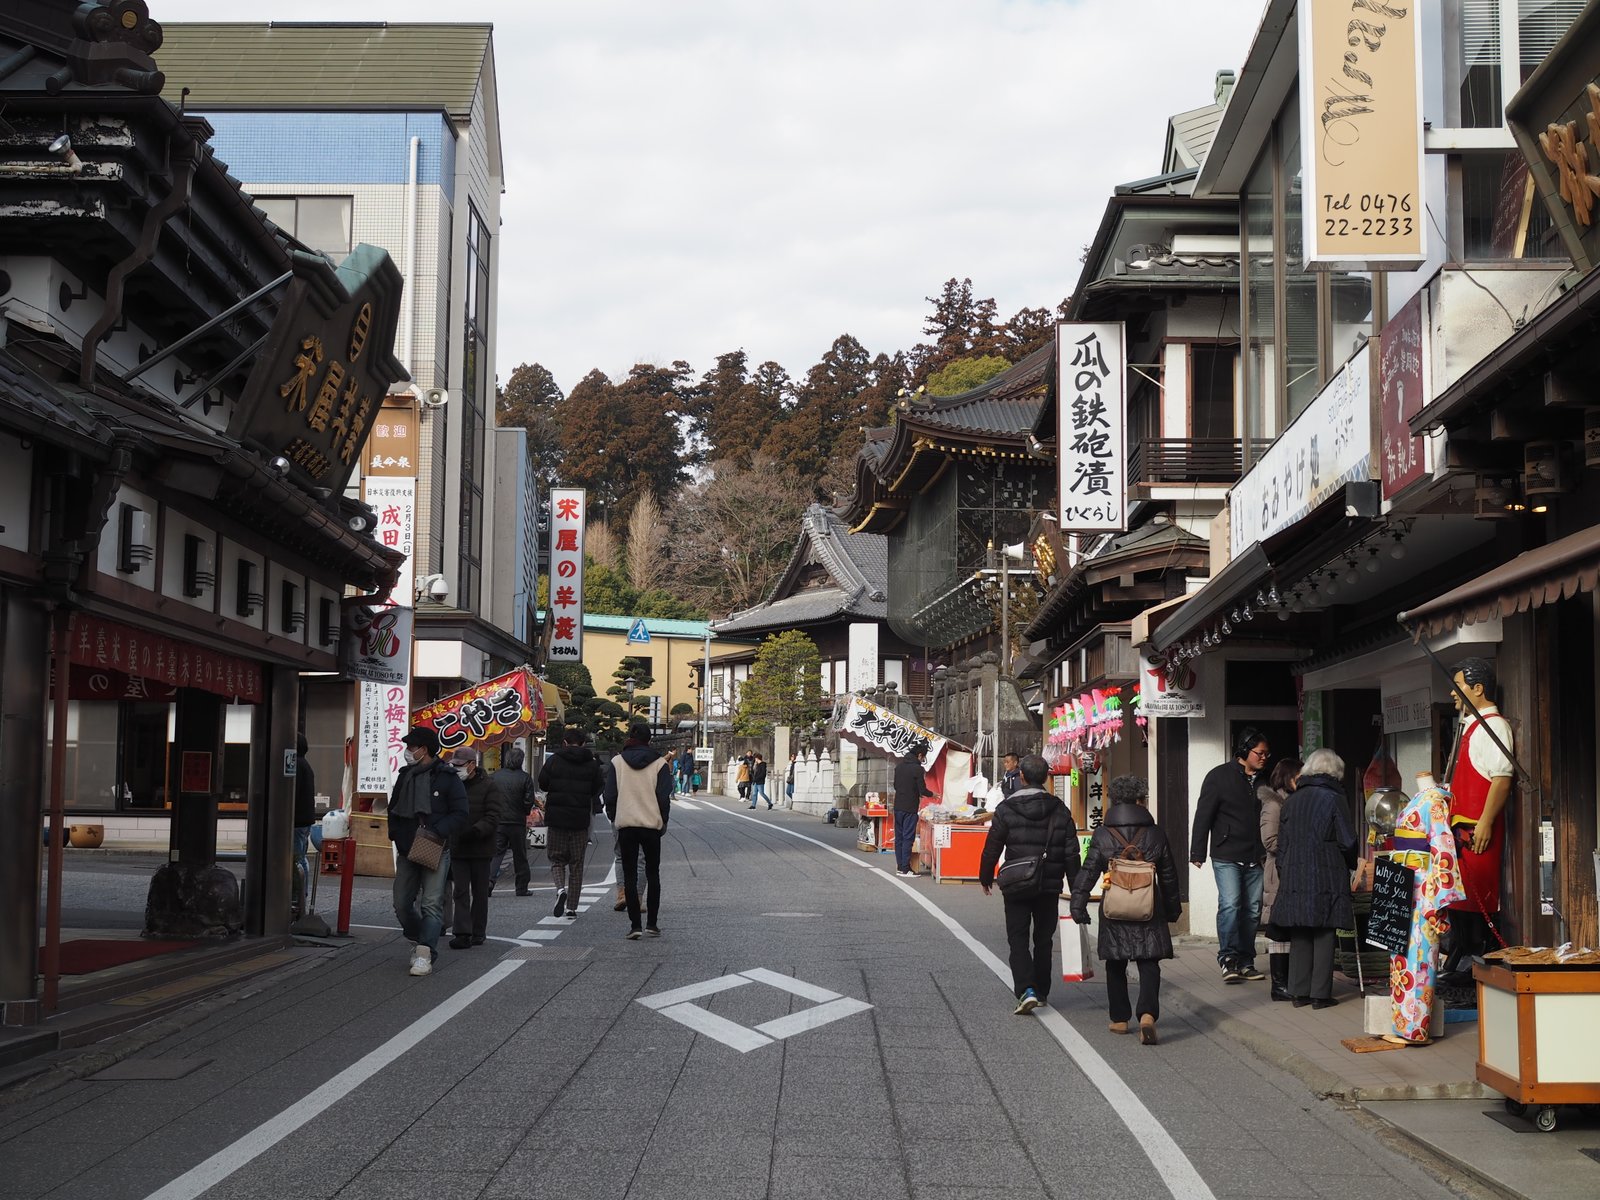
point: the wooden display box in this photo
(1536, 1035)
(374, 850)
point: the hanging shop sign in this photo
(89, 683)
(1324, 448)
(488, 714)
(109, 645)
(394, 446)
(1093, 721)
(376, 643)
(314, 391)
(394, 499)
(1361, 134)
(384, 719)
(1402, 372)
(863, 723)
(1091, 427)
(1178, 698)
(567, 512)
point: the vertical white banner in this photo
(385, 711)
(863, 668)
(1091, 427)
(394, 499)
(567, 513)
(385, 717)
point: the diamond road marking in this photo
(678, 1005)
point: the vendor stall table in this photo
(876, 831)
(956, 848)
(1536, 1036)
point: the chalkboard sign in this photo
(1389, 925)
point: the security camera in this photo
(439, 589)
(435, 397)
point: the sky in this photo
(689, 177)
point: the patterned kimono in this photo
(1424, 842)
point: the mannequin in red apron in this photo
(1479, 788)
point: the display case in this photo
(1536, 1036)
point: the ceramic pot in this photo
(86, 837)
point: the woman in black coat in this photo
(1122, 942)
(1316, 853)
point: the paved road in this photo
(858, 1043)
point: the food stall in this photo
(874, 727)
(1538, 1009)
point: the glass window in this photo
(1302, 366)
(92, 752)
(1481, 104)
(1211, 408)
(321, 222)
(1540, 25)
(1501, 216)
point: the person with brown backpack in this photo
(1138, 901)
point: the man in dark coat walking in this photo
(472, 848)
(571, 779)
(517, 785)
(1228, 816)
(1019, 829)
(427, 794)
(305, 816)
(910, 786)
(638, 798)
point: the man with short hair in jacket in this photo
(1019, 829)
(517, 785)
(428, 795)
(638, 797)
(471, 848)
(910, 786)
(1228, 817)
(571, 779)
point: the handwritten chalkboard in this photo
(1389, 925)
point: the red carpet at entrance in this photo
(85, 955)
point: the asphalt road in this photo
(806, 1026)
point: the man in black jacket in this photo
(758, 782)
(910, 786)
(305, 816)
(513, 835)
(1228, 816)
(1021, 828)
(638, 799)
(427, 794)
(571, 781)
(471, 848)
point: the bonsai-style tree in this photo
(784, 688)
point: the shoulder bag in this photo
(1130, 889)
(427, 849)
(1023, 878)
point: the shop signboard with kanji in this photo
(376, 643)
(863, 723)
(1091, 433)
(104, 645)
(393, 498)
(488, 714)
(315, 389)
(385, 713)
(567, 512)
(394, 445)
(1402, 378)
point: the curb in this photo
(1444, 1166)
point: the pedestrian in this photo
(1228, 818)
(686, 771)
(1011, 780)
(742, 778)
(788, 782)
(305, 816)
(428, 795)
(472, 848)
(910, 786)
(758, 782)
(571, 781)
(521, 800)
(638, 798)
(1031, 824)
(1316, 853)
(1272, 795)
(1128, 830)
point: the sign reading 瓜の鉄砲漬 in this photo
(1091, 434)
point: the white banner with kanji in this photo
(1091, 434)
(385, 710)
(394, 499)
(567, 512)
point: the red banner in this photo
(87, 683)
(496, 711)
(108, 645)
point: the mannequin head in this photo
(1475, 677)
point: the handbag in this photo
(1021, 878)
(1130, 889)
(535, 817)
(427, 849)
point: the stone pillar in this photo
(24, 644)
(278, 870)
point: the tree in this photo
(732, 534)
(619, 441)
(784, 688)
(1032, 329)
(574, 678)
(530, 400)
(647, 544)
(961, 325)
(600, 544)
(964, 374)
(735, 411)
(627, 697)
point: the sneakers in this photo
(1248, 971)
(1232, 972)
(906, 874)
(572, 914)
(633, 935)
(1027, 1004)
(652, 931)
(421, 963)
(561, 902)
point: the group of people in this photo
(750, 778)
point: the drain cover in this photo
(131, 1069)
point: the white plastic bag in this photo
(1077, 955)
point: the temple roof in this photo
(831, 573)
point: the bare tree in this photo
(733, 533)
(647, 550)
(599, 545)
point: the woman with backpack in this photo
(1139, 900)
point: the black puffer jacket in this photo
(1131, 941)
(1227, 817)
(1316, 853)
(517, 784)
(571, 780)
(1018, 829)
(487, 807)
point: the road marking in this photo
(561, 921)
(729, 1033)
(539, 935)
(686, 804)
(678, 1005)
(302, 1112)
(510, 941)
(694, 991)
(1176, 1171)
(813, 1018)
(788, 983)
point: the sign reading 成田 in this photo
(1091, 434)
(1361, 134)
(314, 391)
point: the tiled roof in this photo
(857, 563)
(42, 406)
(802, 608)
(1191, 133)
(324, 66)
(656, 625)
(1008, 404)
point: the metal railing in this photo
(1192, 460)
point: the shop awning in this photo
(1558, 571)
(1249, 569)
(555, 701)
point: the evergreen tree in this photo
(626, 699)
(784, 688)
(530, 400)
(961, 325)
(964, 374)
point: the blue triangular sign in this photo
(638, 634)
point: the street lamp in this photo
(1017, 552)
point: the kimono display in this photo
(1423, 841)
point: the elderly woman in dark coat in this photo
(1122, 942)
(1316, 853)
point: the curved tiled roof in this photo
(857, 564)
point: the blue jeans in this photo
(414, 885)
(1238, 910)
(905, 833)
(758, 793)
(302, 864)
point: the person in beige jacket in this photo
(638, 799)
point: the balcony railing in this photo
(1163, 461)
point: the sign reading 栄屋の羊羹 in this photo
(1091, 427)
(567, 511)
(1361, 141)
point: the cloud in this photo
(688, 178)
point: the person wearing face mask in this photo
(472, 848)
(427, 793)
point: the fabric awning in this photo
(1558, 571)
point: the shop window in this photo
(321, 222)
(91, 781)
(238, 727)
(1501, 217)
(147, 735)
(1302, 366)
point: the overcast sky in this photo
(689, 177)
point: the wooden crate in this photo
(374, 851)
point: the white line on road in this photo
(1176, 1171)
(729, 1033)
(694, 991)
(262, 1138)
(812, 1018)
(788, 983)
